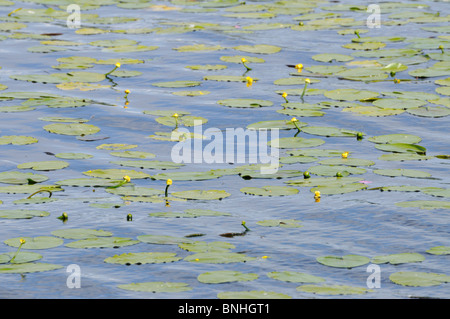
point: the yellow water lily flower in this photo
(249, 81)
(169, 182)
(317, 194)
(284, 95)
(299, 67)
(22, 241)
(118, 64)
(396, 81)
(243, 60)
(294, 119)
(127, 178)
(127, 91)
(344, 155)
(307, 81)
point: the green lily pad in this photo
(294, 80)
(186, 120)
(13, 177)
(333, 290)
(116, 146)
(17, 140)
(133, 154)
(278, 124)
(191, 93)
(28, 189)
(418, 279)
(102, 242)
(396, 259)
(372, 111)
(198, 47)
(206, 67)
(177, 84)
(89, 182)
(329, 131)
(135, 191)
(148, 164)
(202, 194)
(22, 213)
(74, 156)
(186, 176)
(142, 258)
(295, 142)
(244, 103)
(203, 247)
(439, 250)
(80, 233)
(425, 204)
(20, 258)
(351, 95)
(347, 161)
(252, 294)
(332, 170)
(395, 138)
(44, 165)
(190, 213)
(258, 48)
(163, 239)
(435, 191)
(116, 174)
(429, 111)
(398, 103)
(347, 261)
(330, 57)
(56, 78)
(39, 242)
(402, 172)
(402, 148)
(338, 189)
(72, 129)
(238, 59)
(218, 257)
(294, 276)
(27, 268)
(283, 223)
(156, 286)
(15, 108)
(223, 276)
(269, 191)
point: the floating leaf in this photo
(338, 189)
(425, 204)
(395, 138)
(163, 239)
(347, 161)
(39, 242)
(332, 170)
(142, 258)
(44, 165)
(186, 176)
(347, 261)
(283, 223)
(102, 242)
(429, 111)
(328, 131)
(177, 84)
(252, 294)
(218, 258)
(148, 164)
(27, 268)
(157, 286)
(80, 233)
(269, 191)
(333, 289)
(418, 279)
(72, 129)
(22, 213)
(223, 276)
(295, 142)
(396, 259)
(203, 247)
(202, 194)
(258, 48)
(439, 250)
(13, 177)
(351, 95)
(330, 57)
(17, 140)
(294, 276)
(116, 174)
(244, 103)
(19, 258)
(402, 148)
(73, 156)
(402, 172)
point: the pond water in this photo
(370, 222)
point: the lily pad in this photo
(418, 279)
(269, 191)
(156, 286)
(338, 189)
(22, 213)
(13, 177)
(245, 103)
(80, 233)
(177, 84)
(283, 223)
(203, 247)
(102, 242)
(72, 129)
(396, 259)
(294, 276)
(330, 57)
(402, 172)
(347, 261)
(439, 250)
(402, 148)
(332, 170)
(148, 164)
(27, 268)
(186, 176)
(20, 258)
(258, 48)
(163, 239)
(17, 140)
(202, 194)
(333, 289)
(218, 258)
(295, 142)
(223, 276)
(429, 111)
(116, 174)
(329, 131)
(39, 242)
(351, 95)
(142, 258)
(395, 138)
(252, 294)
(425, 204)
(44, 165)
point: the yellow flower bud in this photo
(317, 194)
(22, 241)
(307, 81)
(169, 182)
(118, 64)
(294, 119)
(127, 91)
(243, 60)
(249, 81)
(127, 178)
(284, 95)
(299, 67)
(344, 155)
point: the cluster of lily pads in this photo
(327, 171)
